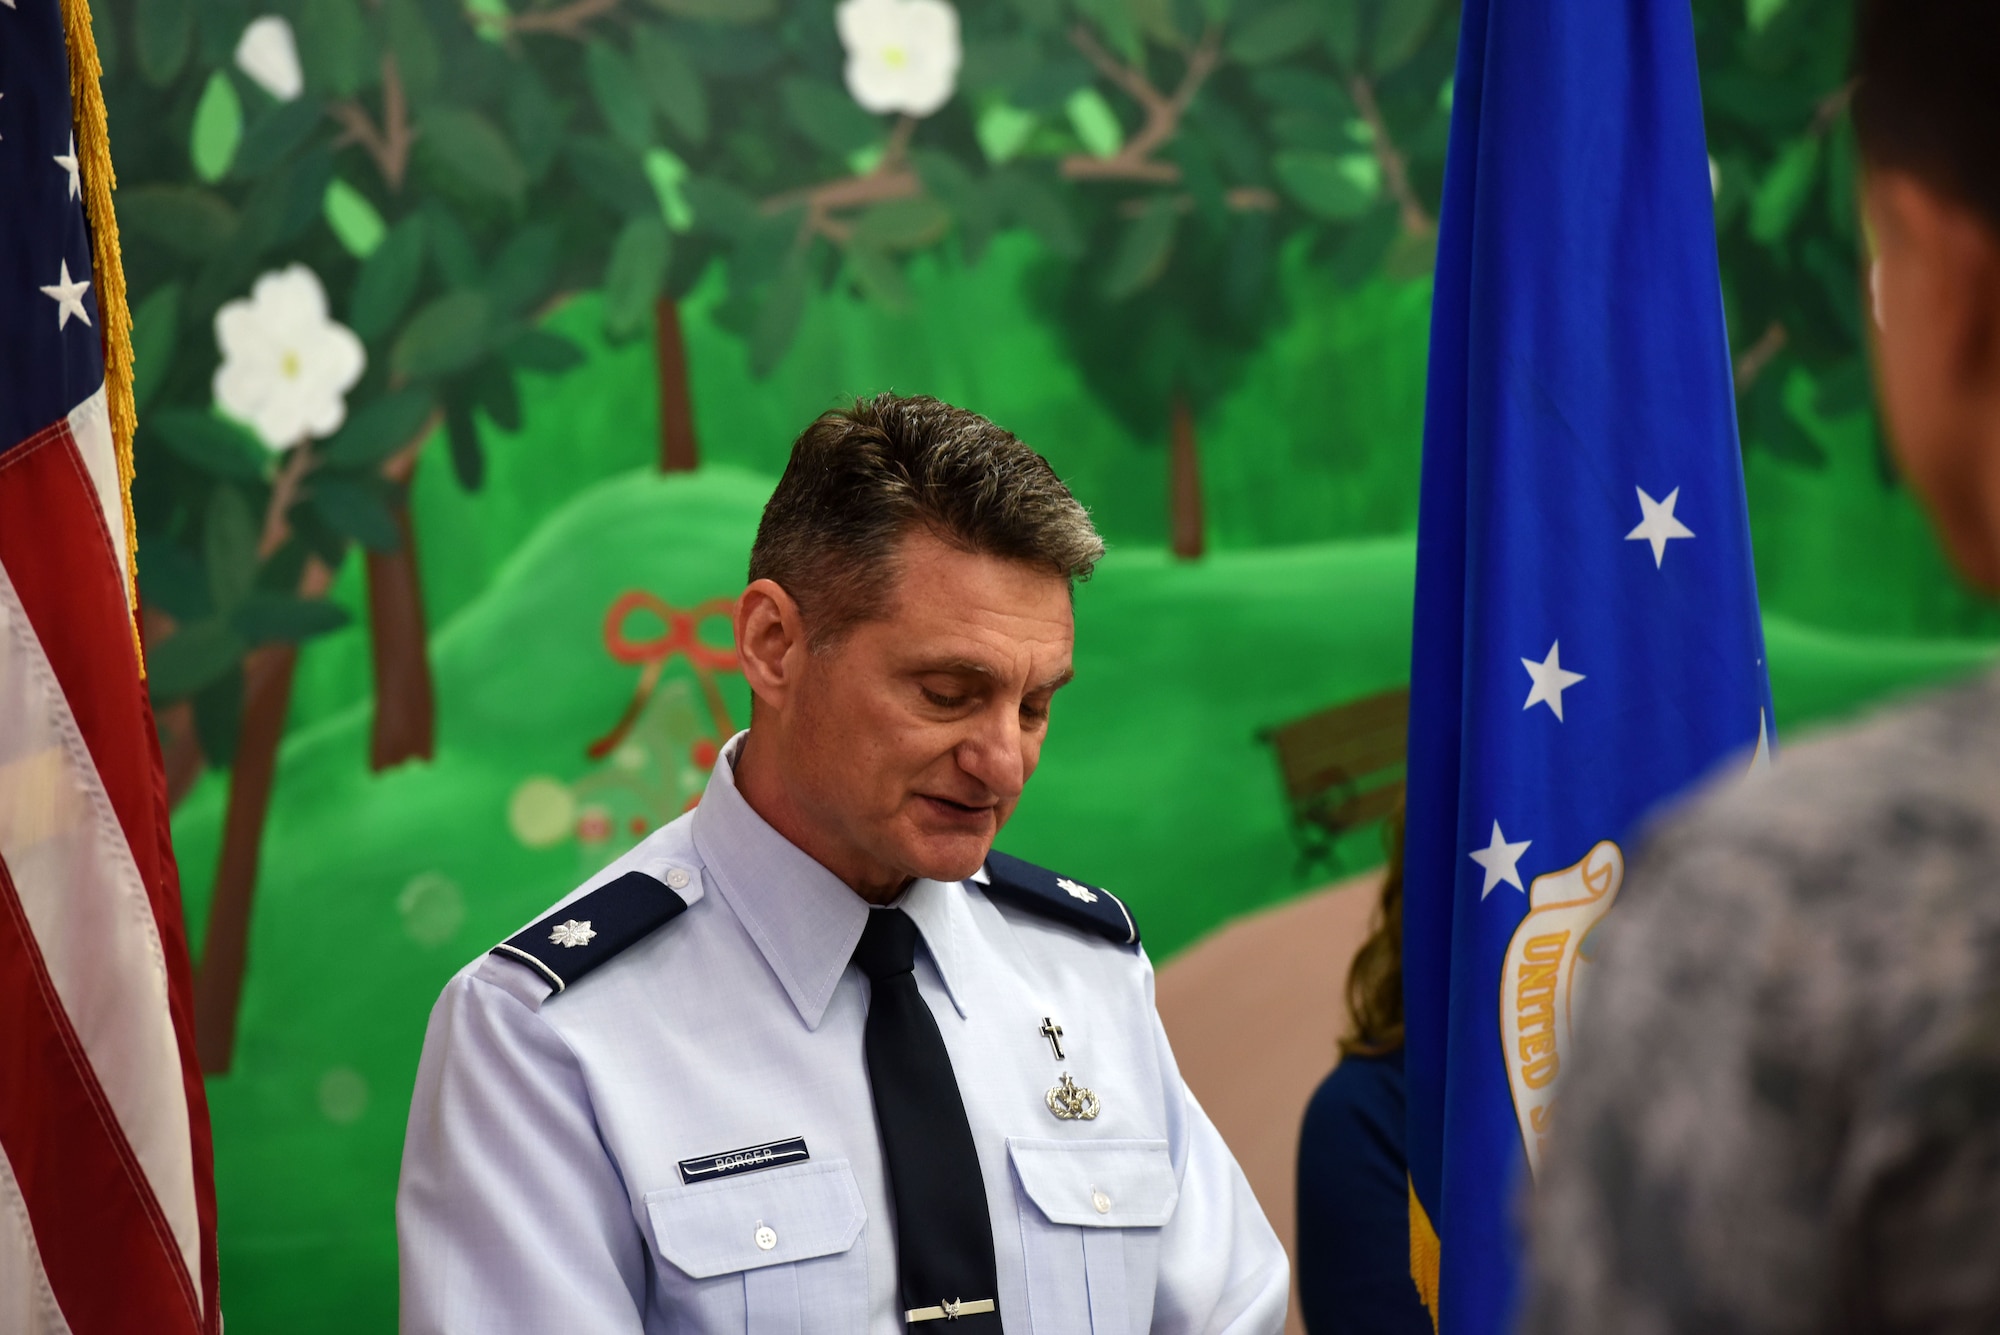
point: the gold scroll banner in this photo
(1540, 983)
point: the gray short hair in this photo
(862, 478)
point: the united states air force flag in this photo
(1587, 641)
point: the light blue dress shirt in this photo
(541, 1189)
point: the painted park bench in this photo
(1342, 768)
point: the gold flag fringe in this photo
(1425, 1256)
(93, 155)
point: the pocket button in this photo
(1100, 1200)
(767, 1238)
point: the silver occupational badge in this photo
(1070, 1102)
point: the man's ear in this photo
(1951, 258)
(1937, 355)
(770, 641)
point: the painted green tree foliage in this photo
(332, 248)
(1775, 91)
(798, 145)
(1318, 123)
(1163, 151)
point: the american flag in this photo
(107, 1206)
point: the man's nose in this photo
(995, 753)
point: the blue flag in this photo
(1587, 640)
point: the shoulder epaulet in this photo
(591, 929)
(1038, 890)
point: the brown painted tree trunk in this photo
(267, 696)
(180, 744)
(218, 984)
(677, 444)
(1184, 485)
(405, 725)
(180, 751)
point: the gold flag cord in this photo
(1425, 1256)
(93, 154)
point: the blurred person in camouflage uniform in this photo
(1785, 1115)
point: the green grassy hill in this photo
(1319, 442)
(376, 888)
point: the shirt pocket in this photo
(1090, 1231)
(763, 1251)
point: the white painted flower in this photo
(902, 55)
(269, 54)
(286, 368)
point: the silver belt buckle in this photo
(951, 1311)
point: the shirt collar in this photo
(804, 919)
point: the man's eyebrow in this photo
(972, 668)
(964, 667)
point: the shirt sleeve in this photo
(1222, 1269)
(510, 1215)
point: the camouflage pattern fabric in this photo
(1785, 1110)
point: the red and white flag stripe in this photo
(107, 1212)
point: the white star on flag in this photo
(67, 161)
(1659, 526)
(68, 297)
(1501, 859)
(1550, 679)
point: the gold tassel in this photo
(93, 155)
(1426, 1254)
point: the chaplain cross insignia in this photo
(1082, 892)
(571, 933)
(1053, 1033)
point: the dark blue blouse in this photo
(1354, 1205)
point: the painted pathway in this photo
(1254, 1012)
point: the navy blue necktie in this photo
(944, 1237)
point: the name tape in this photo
(775, 1154)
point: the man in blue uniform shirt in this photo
(815, 1057)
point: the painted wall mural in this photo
(471, 335)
